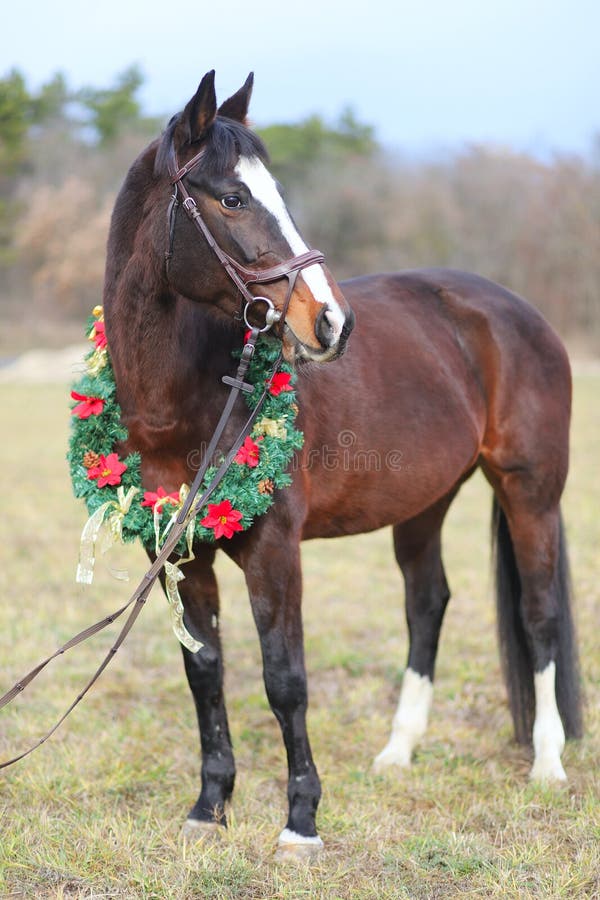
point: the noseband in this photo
(240, 275)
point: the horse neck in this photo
(168, 352)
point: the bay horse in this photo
(445, 372)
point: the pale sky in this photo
(427, 75)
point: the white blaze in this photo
(263, 188)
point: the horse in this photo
(445, 372)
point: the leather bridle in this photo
(240, 275)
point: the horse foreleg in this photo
(418, 552)
(204, 671)
(274, 582)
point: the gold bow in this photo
(111, 514)
(271, 427)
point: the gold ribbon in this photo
(97, 360)
(111, 514)
(173, 573)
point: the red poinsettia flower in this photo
(280, 383)
(223, 519)
(160, 497)
(108, 470)
(99, 335)
(248, 454)
(89, 406)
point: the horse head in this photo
(238, 238)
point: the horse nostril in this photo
(348, 325)
(323, 329)
(346, 331)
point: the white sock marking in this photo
(410, 721)
(548, 731)
(263, 188)
(288, 836)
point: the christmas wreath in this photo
(123, 509)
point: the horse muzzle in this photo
(331, 337)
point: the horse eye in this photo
(231, 201)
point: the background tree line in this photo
(533, 226)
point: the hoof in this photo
(397, 755)
(194, 831)
(295, 848)
(548, 771)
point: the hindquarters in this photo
(524, 376)
(525, 455)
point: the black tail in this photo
(514, 648)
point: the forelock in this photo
(224, 143)
(227, 141)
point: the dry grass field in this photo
(96, 812)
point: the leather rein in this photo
(241, 276)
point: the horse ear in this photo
(237, 106)
(200, 112)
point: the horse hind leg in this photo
(417, 545)
(536, 632)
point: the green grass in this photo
(97, 811)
